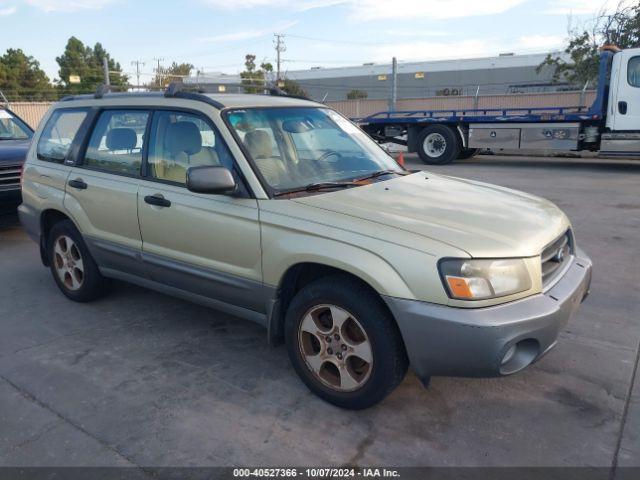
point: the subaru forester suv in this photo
(281, 211)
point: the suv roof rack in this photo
(175, 90)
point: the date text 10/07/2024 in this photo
(315, 473)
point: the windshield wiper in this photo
(315, 187)
(379, 174)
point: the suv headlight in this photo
(481, 279)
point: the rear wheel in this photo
(438, 145)
(73, 269)
(343, 343)
(466, 153)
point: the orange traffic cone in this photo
(400, 159)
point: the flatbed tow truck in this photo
(611, 125)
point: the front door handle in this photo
(157, 200)
(622, 107)
(78, 183)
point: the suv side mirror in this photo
(211, 179)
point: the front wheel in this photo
(343, 343)
(438, 145)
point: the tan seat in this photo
(183, 149)
(258, 143)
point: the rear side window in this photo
(58, 134)
(116, 142)
(633, 71)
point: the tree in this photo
(255, 80)
(293, 88)
(174, 73)
(22, 78)
(87, 63)
(620, 28)
(357, 95)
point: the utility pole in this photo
(137, 63)
(159, 70)
(105, 69)
(280, 47)
(394, 85)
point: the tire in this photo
(467, 153)
(438, 145)
(368, 332)
(72, 266)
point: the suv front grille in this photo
(555, 256)
(10, 177)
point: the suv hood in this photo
(482, 219)
(13, 152)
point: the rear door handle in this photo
(78, 183)
(622, 107)
(157, 200)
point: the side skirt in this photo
(241, 312)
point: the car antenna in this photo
(102, 89)
(173, 89)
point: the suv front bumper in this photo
(489, 341)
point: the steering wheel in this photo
(329, 153)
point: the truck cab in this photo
(623, 113)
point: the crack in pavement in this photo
(625, 413)
(363, 446)
(30, 397)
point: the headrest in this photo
(258, 143)
(121, 139)
(183, 137)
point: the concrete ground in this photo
(139, 378)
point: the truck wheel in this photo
(438, 145)
(74, 270)
(466, 153)
(343, 343)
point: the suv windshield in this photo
(12, 128)
(299, 147)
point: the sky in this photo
(215, 35)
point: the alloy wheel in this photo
(335, 347)
(68, 263)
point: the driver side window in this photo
(633, 71)
(182, 140)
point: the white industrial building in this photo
(506, 73)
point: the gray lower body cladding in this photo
(30, 220)
(447, 341)
(226, 288)
(242, 297)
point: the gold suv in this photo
(281, 211)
